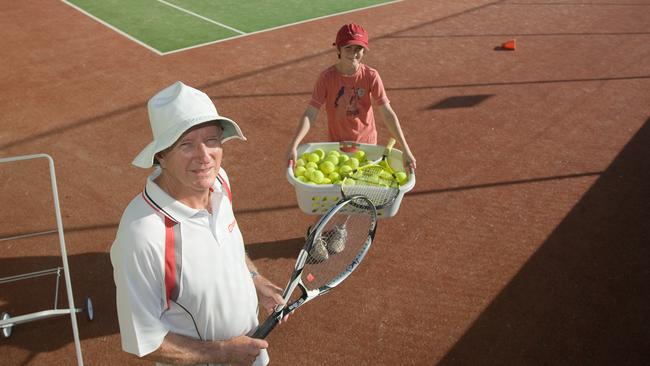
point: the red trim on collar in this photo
(224, 184)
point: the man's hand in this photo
(243, 350)
(269, 295)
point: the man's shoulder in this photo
(140, 216)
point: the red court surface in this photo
(526, 240)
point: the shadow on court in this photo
(275, 249)
(583, 297)
(91, 275)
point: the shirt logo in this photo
(231, 226)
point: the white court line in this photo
(278, 27)
(201, 17)
(241, 34)
(114, 29)
(28, 235)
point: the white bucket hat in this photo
(176, 109)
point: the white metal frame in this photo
(6, 323)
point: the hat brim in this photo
(354, 42)
(230, 129)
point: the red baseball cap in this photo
(351, 34)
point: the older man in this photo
(187, 293)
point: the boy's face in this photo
(352, 54)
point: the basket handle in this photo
(348, 146)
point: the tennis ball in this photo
(385, 175)
(299, 171)
(401, 177)
(303, 179)
(326, 181)
(313, 157)
(334, 152)
(300, 162)
(360, 155)
(334, 159)
(345, 170)
(353, 163)
(316, 176)
(326, 167)
(334, 176)
(343, 158)
(308, 172)
(312, 165)
(320, 152)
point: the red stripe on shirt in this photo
(170, 259)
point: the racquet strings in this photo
(374, 182)
(336, 247)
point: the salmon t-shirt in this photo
(348, 102)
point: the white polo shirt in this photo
(167, 256)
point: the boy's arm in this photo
(306, 120)
(392, 122)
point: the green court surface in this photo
(166, 26)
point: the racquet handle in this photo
(266, 327)
(390, 144)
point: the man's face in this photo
(194, 160)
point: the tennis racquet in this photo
(335, 247)
(375, 180)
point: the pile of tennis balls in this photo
(318, 167)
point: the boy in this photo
(347, 90)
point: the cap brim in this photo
(357, 43)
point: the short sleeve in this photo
(319, 94)
(377, 90)
(139, 285)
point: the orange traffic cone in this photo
(510, 45)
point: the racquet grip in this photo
(266, 327)
(390, 144)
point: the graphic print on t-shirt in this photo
(346, 102)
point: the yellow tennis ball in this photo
(326, 167)
(353, 163)
(317, 176)
(326, 181)
(343, 159)
(313, 157)
(385, 175)
(360, 155)
(312, 165)
(345, 170)
(334, 152)
(333, 159)
(308, 172)
(303, 179)
(401, 177)
(334, 176)
(299, 171)
(320, 153)
(300, 162)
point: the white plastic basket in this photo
(317, 199)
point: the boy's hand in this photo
(292, 157)
(410, 161)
